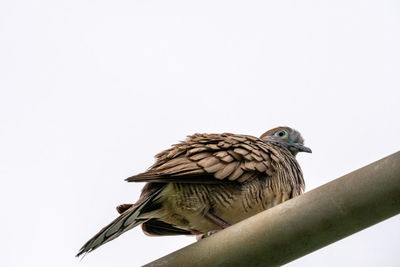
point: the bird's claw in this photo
(209, 233)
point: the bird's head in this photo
(286, 137)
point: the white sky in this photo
(91, 90)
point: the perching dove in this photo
(209, 182)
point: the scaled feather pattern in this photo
(210, 181)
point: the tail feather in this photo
(126, 221)
(123, 207)
(154, 227)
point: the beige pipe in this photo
(301, 225)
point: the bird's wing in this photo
(212, 158)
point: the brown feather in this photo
(227, 158)
(236, 174)
(227, 170)
(241, 151)
(212, 147)
(246, 176)
(208, 162)
(174, 162)
(214, 168)
(255, 156)
(221, 154)
(247, 147)
(200, 156)
(188, 166)
(123, 207)
(261, 167)
(250, 165)
(234, 154)
(224, 145)
(225, 176)
(196, 150)
(248, 157)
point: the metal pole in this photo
(301, 225)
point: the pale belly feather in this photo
(184, 205)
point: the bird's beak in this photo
(302, 148)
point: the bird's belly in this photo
(185, 204)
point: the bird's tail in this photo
(126, 221)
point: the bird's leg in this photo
(216, 220)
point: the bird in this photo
(209, 182)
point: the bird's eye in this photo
(282, 134)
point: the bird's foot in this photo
(209, 233)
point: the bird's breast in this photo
(184, 205)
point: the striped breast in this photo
(183, 205)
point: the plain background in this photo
(91, 90)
